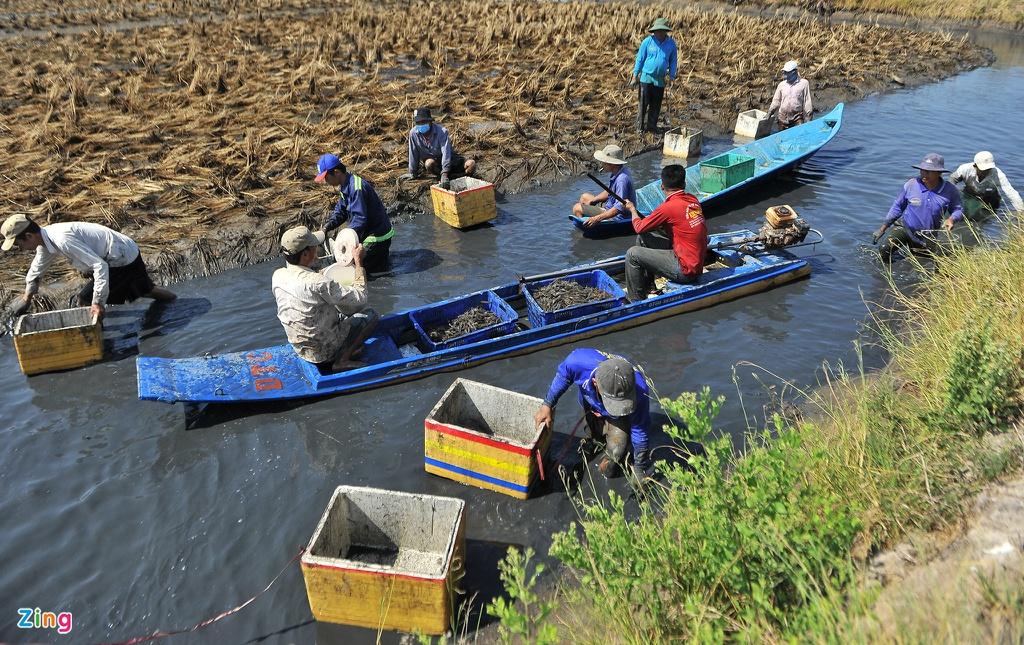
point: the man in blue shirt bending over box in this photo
(616, 402)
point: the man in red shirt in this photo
(681, 219)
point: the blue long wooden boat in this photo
(772, 155)
(398, 352)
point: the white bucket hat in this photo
(612, 154)
(343, 245)
(790, 66)
(984, 160)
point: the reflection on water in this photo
(157, 526)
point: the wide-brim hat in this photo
(611, 153)
(933, 162)
(984, 160)
(422, 115)
(659, 24)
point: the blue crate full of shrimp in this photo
(596, 280)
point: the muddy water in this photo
(114, 511)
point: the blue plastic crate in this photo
(649, 197)
(597, 278)
(439, 314)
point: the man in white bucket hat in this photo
(791, 104)
(983, 182)
(602, 205)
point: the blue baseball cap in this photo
(326, 164)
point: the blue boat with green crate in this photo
(402, 347)
(713, 179)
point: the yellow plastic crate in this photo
(469, 201)
(58, 340)
(485, 436)
(682, 142)
(386, 560)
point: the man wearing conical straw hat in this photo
(792, 100)
(118, 274)
(654, 69)
(603, 205)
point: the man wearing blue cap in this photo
(925, 204)
(616, 403)
(359, 208)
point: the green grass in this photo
(771, 544)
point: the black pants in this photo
(126, 284)
(650, 106)
(378, 256)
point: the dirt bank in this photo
(961, 585)
(198, 137)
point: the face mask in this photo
(423, 129)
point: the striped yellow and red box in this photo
(384, 559)
(485, 436)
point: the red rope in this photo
(571, 437)
(540, 464)
(209, 621)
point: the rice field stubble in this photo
(198, 137)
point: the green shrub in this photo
(524, 617)
(984, 378)
(740, 546)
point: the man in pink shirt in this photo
(792, 101)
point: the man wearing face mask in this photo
(983, 183)
(792, 100)
(326, 322)
(925, 204)
(654, 68)
(681, 221)
(430, 147)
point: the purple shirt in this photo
(621, 184)
(923, 209)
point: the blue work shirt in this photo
(439, 145)
(621, 184)
(654, 60)
(359, 203)
(923, 209)
(578, 367)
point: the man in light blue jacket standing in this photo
(655, 67)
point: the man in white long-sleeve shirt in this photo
(326, 322)
(118, 274)
(792, 100)
(983, 182)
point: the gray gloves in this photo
(445, 183)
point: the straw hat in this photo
(612, 154)
(659, 24)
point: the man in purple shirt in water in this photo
(616, 403)
(602, 205)
(926, 203)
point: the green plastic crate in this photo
(723, 171)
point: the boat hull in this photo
(773, 154)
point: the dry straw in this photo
(204, 123)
